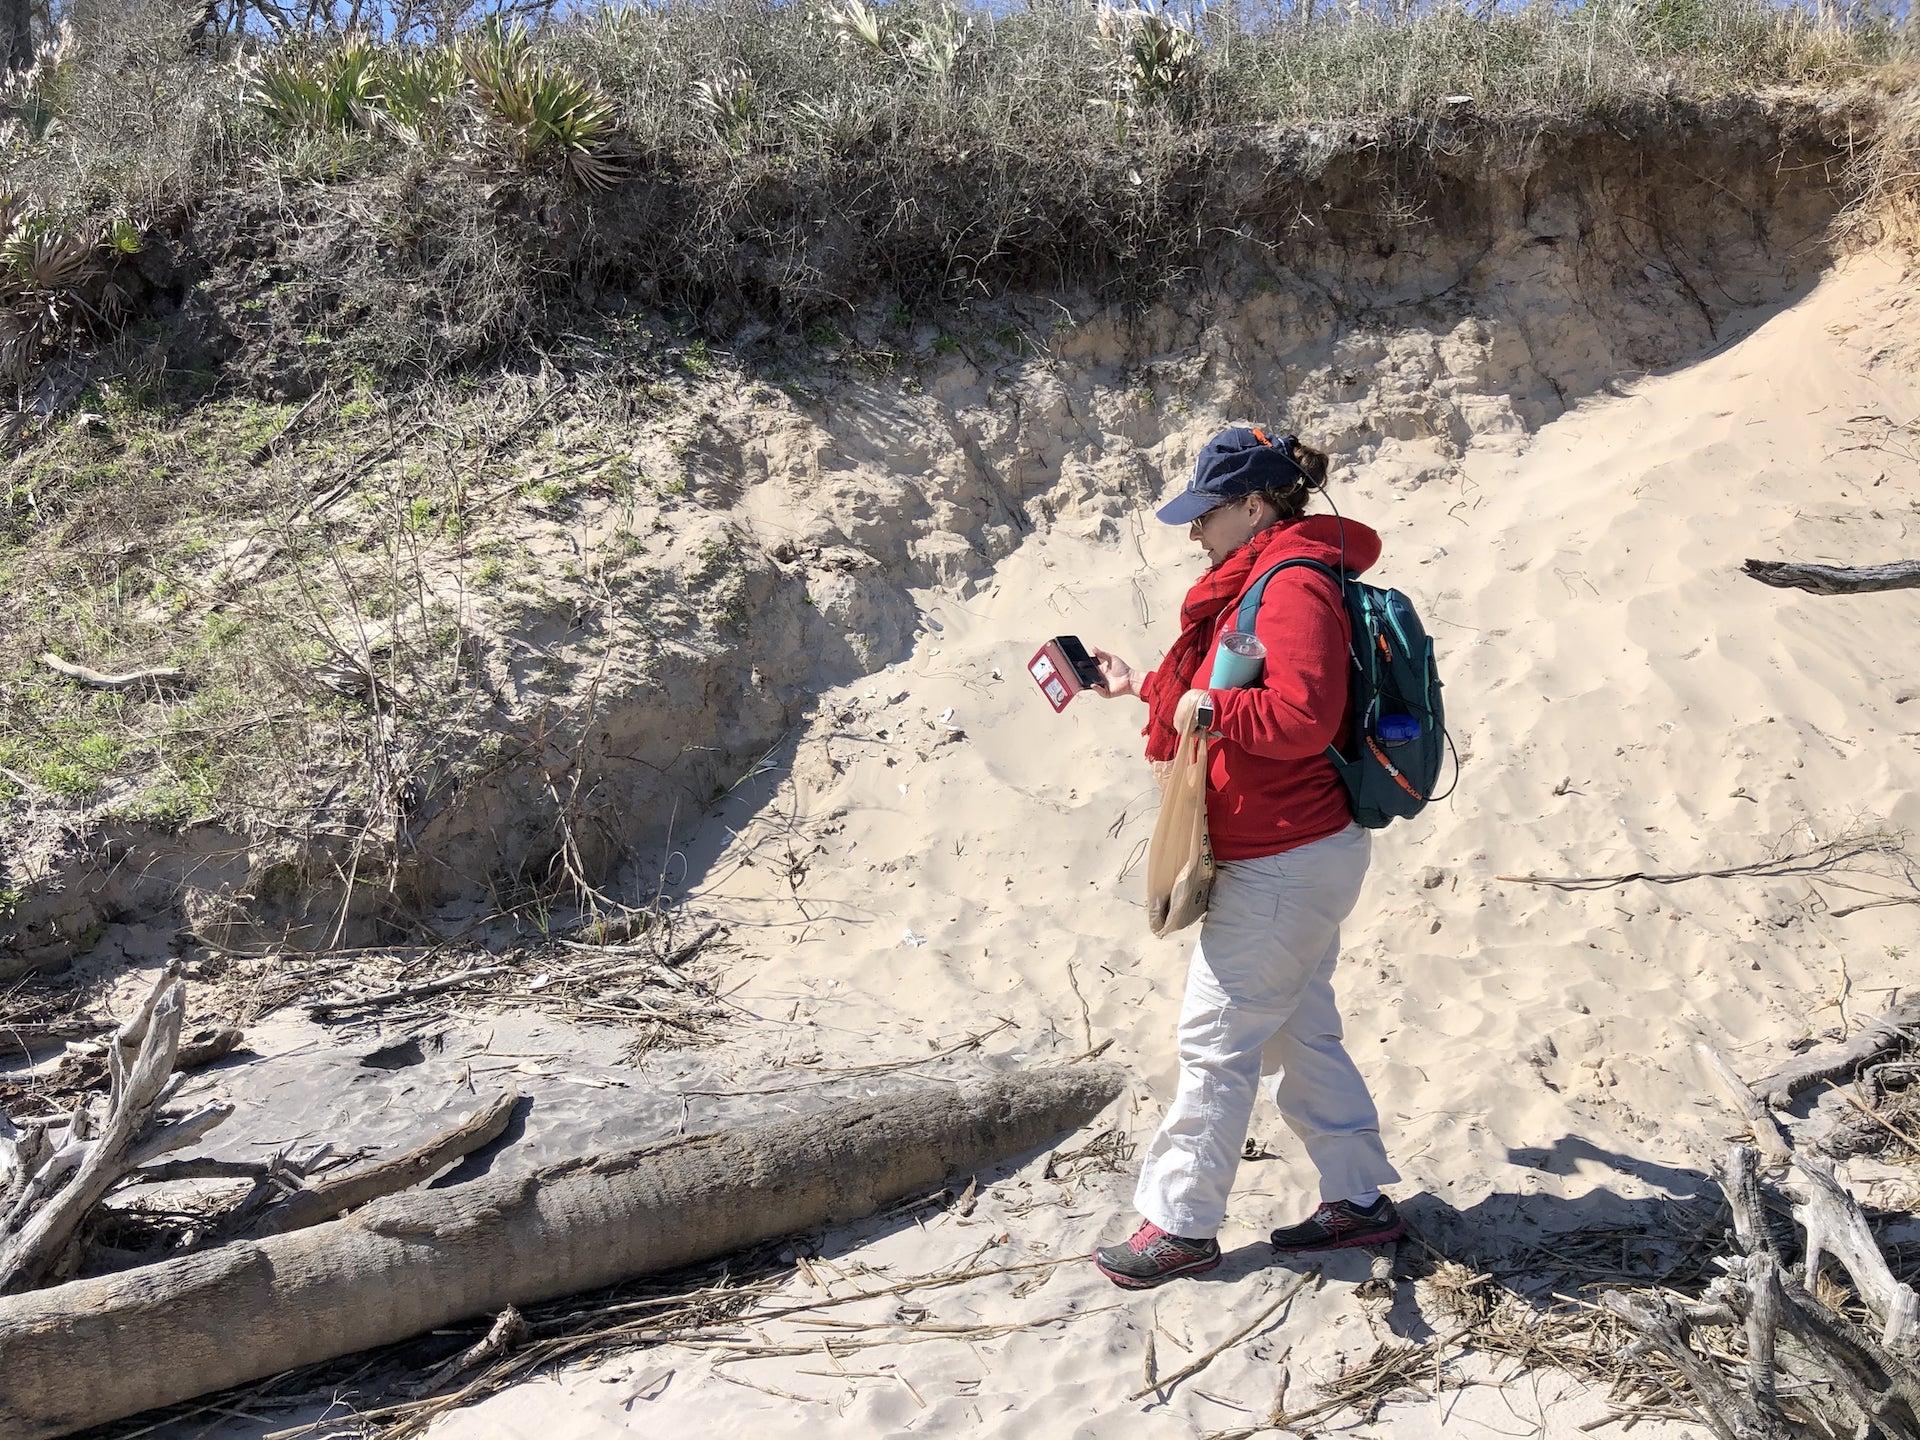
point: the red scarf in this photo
(1212, 594)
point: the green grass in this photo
(71, 759)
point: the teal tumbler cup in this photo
(1238, 662)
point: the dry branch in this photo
(338, 1194)
(100, 681)
(1299, 1282)
(206, 1047)
(1383, 1373)
(1835, 579)
(1836, 1226)
(509, 1333)
(1801, 862)
(50, 1194)
(1766, 1130)
(97, 1349)
(322, 1009)
(1729, 1415)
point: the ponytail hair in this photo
(1311, 474)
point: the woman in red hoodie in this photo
(1259, 999)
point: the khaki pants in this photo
(1259, 1002)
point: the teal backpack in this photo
(1399, 730)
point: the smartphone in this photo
(1062, 668)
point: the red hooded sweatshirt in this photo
(1270, 786)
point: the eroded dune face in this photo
(734, 549)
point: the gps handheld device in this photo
(1062, 668)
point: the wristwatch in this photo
(1203, 716)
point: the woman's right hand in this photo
(1122, 678)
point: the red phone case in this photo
(1054, 676)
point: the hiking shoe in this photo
(1153, 1256)
(1339, 1224)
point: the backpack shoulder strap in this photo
(1250, 600)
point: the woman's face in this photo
(1225, 528)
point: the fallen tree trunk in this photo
(1835, 579)
(95, 1350)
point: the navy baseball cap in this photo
(1235, 463)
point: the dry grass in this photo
(1886, 176)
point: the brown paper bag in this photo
(1180, 859)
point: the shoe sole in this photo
(1147, 1282)
(1352, 1242)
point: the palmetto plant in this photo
(43, 260)
(44, 269)
(932, 41)
(334, 91)
(1156, 53)
(544, 114)
(856, 23)
(726, 98)
(418, 91)
(928, 43)
(1151, 57)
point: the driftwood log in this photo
(1835, 579)
(1808, 1368)
(1842, 1379)
(95, 1350)
(1834, 1062)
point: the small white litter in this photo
(911, 940)
(996, 672)
(946, 716)
(903, 787)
